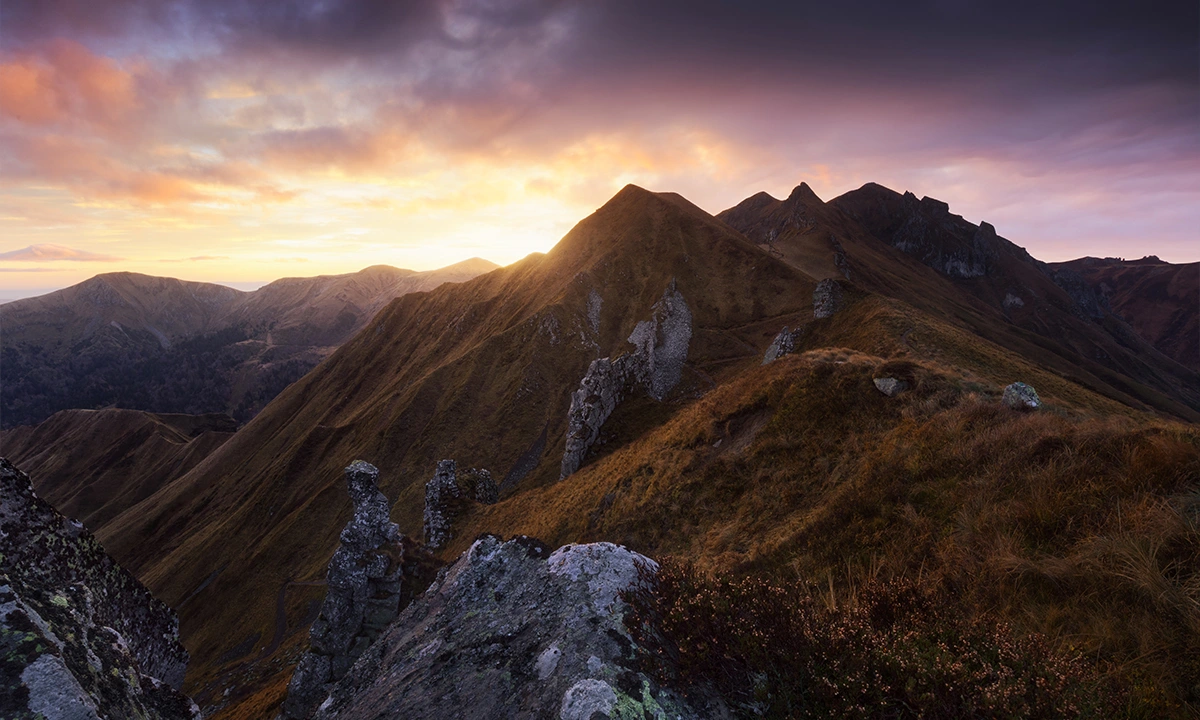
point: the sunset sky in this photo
(240, 141)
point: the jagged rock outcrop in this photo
(655, 367)
(363, 595)
(783, 344)
(80, 637)
(513, 631)
(1092, 302)
(890, 386)
(827, 298)
(1020, 396)
(479, 484)
(441, 495)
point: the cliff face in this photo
(79, 636)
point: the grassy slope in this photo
(1079, 521)
(94, 464)
(476, 371)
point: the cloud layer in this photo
(45, 253)
(423, 132)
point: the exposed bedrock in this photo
(363, 595)
(79, 636)
(655, 367)
(513, 630)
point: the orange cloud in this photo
(65, 83)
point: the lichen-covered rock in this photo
(1020, 396)
(441, 494)
(783, 344)
(79, 636)
(890, 386)
(827, 298)
(513, 631)
(655, 367)
(363, 595)
(603, 386)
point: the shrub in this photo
(894, 650)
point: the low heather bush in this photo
(896, 651)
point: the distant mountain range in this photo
(690, 445)
(165, 345)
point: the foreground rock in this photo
(80, 637)
(363, 595)
(1020, 396)
(513, 631)
(655, 367)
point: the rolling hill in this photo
(166, 345)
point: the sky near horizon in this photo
(238, 141)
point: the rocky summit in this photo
(80, 638)
(512, 630)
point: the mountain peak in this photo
(803, 193)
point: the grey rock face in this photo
(440, 494)
(80, 638)
(1091, 302)
(662, 344)
(1020, 396)
(363, 595)
(513, 631)
(827, 298)
(783, 344)
(890, 386)
(656, 367)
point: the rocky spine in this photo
(655, 367)
(363, 596)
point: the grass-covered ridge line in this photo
(1068, 523)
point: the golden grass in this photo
(1063, 522)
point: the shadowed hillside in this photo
(919, 252)
(1160, 300)
(167, 345)
(94, 464)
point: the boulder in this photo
(513, 630)
(79, 636)
(363, 595)
(890, 386)
(480, 485)
(827, 298)
(783, 344)
(1020, 396)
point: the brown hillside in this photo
(1159, 300)
(917, 251)
(481, 371)
(93, 464)
(1066, 523)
